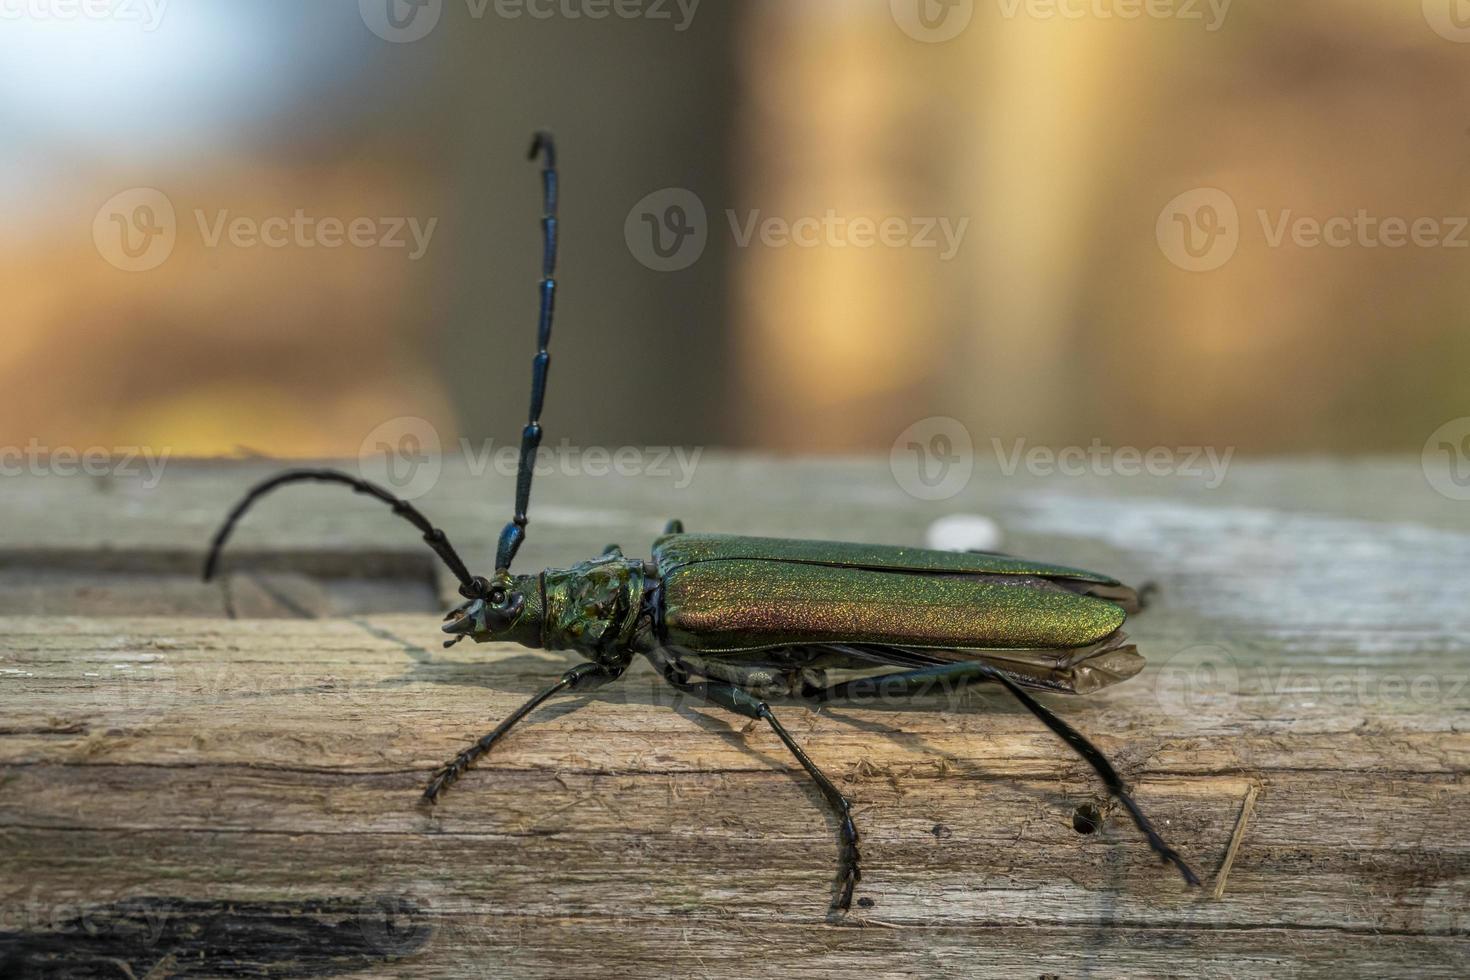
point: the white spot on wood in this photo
(964, 532)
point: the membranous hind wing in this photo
(1047, 626)
(1081, 670)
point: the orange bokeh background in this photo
(1056, 140)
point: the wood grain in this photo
(197, 796)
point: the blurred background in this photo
(266, 228)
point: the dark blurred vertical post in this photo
(637, 105)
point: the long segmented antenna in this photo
(470, 586)
(515, 532)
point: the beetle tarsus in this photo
(1167, 854)
(849, 866)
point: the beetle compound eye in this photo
(503, 609)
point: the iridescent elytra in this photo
(740, 622)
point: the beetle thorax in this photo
(593, 608)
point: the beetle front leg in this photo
(583, 677)
(728, 696)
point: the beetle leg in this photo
(581, 677)
(970, 671)
(674, 526)
(849, 872)
(1104, 770)
(762, 679)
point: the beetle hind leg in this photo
(913, 682)
(1093, 756)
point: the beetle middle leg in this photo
(742, 702)
(913, 682)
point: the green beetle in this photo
(739, 621)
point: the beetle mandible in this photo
(736, 621)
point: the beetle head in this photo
(509, 610)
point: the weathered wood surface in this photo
(197, 796)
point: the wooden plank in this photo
(186, 793)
